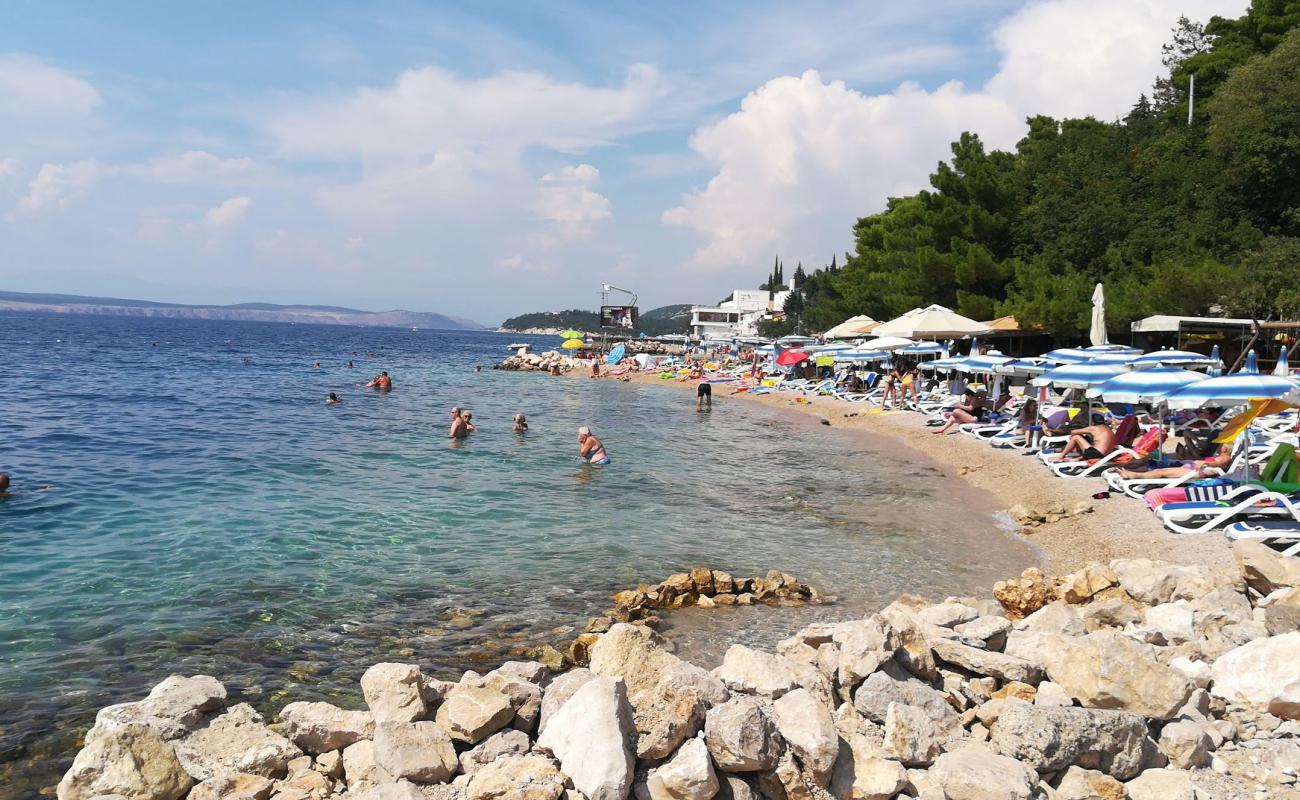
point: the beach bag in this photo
(1209, 489)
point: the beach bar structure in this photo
(1200, 334)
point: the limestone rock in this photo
(1281, 611)
(986, 662)
(807, 726)
(864, 774)
(1055, 617)
(1025, 595)
(863, 645)
(517, 777)
(947, 615)
(688, 775)
(756, 672)
(472, 713)
(173, 708)
(1154, 582)
(668, 696)
(321, 727)
(911, 736)
(975, 773)
(1264, 569)
(911, 645)
(420, 752)
(236, 741)
(1113, 612)
(1051, 694)
(394, 692)
(330, 764)
(531, 671)
(401, 790)
(1082, 585)
(1161, 784)
(741, 737)
(233, 786)
(1106, 669)
(1174, 622)
(1088, 784)
(591, 735)
(1263, 674)
(560, 690)
(525, 697)
(1050, 739)
(132, 760)
(880, 689)
(992, 630)
(1186, 744)
(360, 768)
(496, 746)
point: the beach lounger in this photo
(1139, 453)
(1282, 535)
(1245, 503)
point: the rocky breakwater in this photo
(651, 347)
(538, 362)
(1132, 679)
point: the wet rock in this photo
(472, 713)
(756, 672)
(132, 760)
(517, 777)
(321, 727)
(592, 735)
(236, 741)
(741, 737)
(394, 692)
(668, 695)
(911, 736)
(1106, 669)
(1264, 569)
(1263, 674)
(420, 752)
(688, 775)
(498, 745)
(808, 728)
(233, 786)
(1088, 784)
(560, 690)
(1161, 784)
(975, 773)
(1050, 739)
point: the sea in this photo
(184, 501)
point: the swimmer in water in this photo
(590, 448)
(4, 486)
(317, 365)
(478, 367)
(381, 382)
(468, 417)
(521, 424)
(349, 365)
(458, 428)
(333, 399)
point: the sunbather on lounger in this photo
(972, 409)
(1219, 460)
(1094, 441)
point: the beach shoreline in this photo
(1116, 527)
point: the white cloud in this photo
(567, 201)
(30, 86)
(228, 213)
(804, 157)
(191, 166)
(58, 186)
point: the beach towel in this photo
(1126, 431)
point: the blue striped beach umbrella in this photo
(1113, 348)
(921, 349)
(1216, 369)
(1144, 386)
(861, 355)
(986, 364)
(945, 364)
(1117, 359)
(1252, 364)
(1024, 366)
(1078, 376)
(1234, 390)
(833, 348)
(1069, 355)
(1173, 358)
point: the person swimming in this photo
(458, 427)
(521, 423)
(333, 399)
(468, 417)
(591, 449)
(381, 382)
(4, 485)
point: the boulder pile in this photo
(1133, 679)
(653, 348)
(538, 362)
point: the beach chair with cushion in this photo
(1121, 456)
(1242, 503)
(1281, 535)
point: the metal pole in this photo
(1191, 97)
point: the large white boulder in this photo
(741, 737)
(236, 741)
(131, 760)
(1264, 674)
(688, 775)
(756, 672)
(420, 752)
(1052, 738)
(173, 708)
(321, 727)
(360, 768)
(1186, 744)
(1106, 669)
(974, 773)
(509, 742)
(394, 692)
(472, 713)
(517, 777)
(911, 736)
(862, 646)
(592, 737)
(1162, 784)
(560, 690)
(807, 726)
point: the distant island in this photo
(671, 319)
(240, 312)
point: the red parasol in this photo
(790, 357)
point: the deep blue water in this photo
(186, 502)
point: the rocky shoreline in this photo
(1133, 679)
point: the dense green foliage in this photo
(1173, 218)
(670, 319)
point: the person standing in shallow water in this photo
(591, 449)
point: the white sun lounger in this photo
(1239, 505)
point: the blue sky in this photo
(496, 158)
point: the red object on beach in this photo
(791, 357)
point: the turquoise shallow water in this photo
(206, 512)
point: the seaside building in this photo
(739, 314)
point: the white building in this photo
(738, 315)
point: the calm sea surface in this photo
(187, 503)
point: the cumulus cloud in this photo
(58, 186)
(803, 157)
(31, 86)
(228, 213)
(191, 166)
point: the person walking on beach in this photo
(590, 448)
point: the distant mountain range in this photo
(242, 312)
(655, 322)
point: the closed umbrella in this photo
(1233, 390)
(1216, 369)
(616, 355)
(1144, 386)
(931, 322)
(1097, 331)
(1281, 370)
(1078, 376)
(1252, 364)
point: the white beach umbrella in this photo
(931, 322)
(852, 327)
(1281, 370)
(888, 343)
(1097, 332)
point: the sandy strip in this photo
(1118, 527)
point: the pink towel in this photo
(1170, 494)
